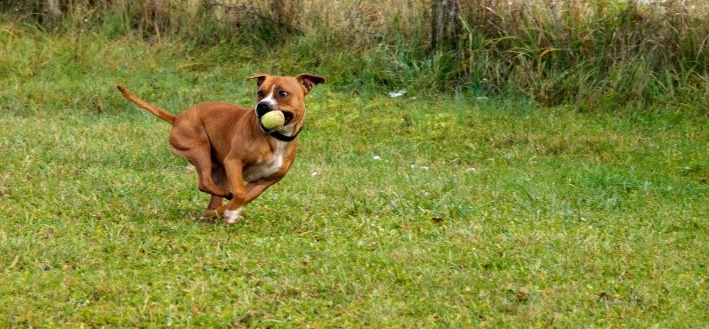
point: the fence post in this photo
(444, 22)
(51, 13)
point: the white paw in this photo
(232, 216)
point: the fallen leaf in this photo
(437, 220)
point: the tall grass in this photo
(589, 52)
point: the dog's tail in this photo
(162, 114)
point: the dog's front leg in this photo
(255, 188)
(234, 172)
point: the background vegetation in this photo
(592, 53)
(547, 167)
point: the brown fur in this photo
(223, 141)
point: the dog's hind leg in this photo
(219, 178)
(215, 202)
(192, 143)
(200, 158)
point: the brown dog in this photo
(229, 146)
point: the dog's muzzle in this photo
(288, 116)
(263, 108)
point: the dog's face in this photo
(286, 94)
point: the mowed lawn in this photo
(419, 211)
(398, 213)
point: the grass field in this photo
(420, 211)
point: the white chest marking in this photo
(267, 167)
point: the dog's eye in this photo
(283, 93)
(259, 94)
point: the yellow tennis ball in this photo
(273, 120)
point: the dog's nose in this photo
(262, 108)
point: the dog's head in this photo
(285, 94)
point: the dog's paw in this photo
(232, 216)
(209, 215)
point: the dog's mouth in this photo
(288, 116)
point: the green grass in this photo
(549, 216)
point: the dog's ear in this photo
(309, 81)
(260, 77)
